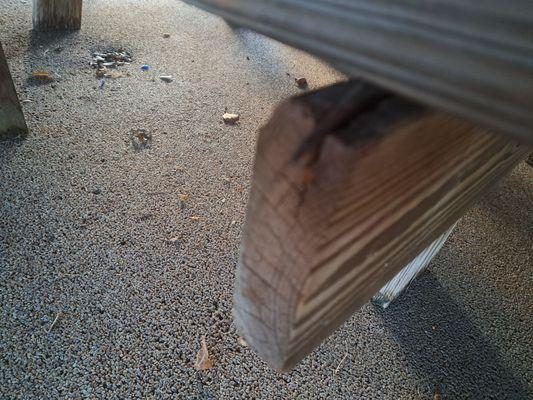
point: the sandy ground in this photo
(85, 222)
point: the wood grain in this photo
(472, 59)
(12, 123)
(341, 202)
(56, 15)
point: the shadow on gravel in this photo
(444, 348)
(510, 203)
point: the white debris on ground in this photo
(230, 118)
(102, 62)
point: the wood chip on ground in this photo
(203, 362)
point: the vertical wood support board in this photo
(56, 15)
(388, 293)
(350, 184)
(12, 123)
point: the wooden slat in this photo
(56, 15)
(350, 184)
(12, 123)
(473, 59)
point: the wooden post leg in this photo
(12, 123)
(350, 184)
(388, 293)
(56, 15)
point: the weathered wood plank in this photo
(12, 123)
(350, 184)
(473, 59)
(392, 289)
(56, 15)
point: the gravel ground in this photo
(85, 223)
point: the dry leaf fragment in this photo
(203, 362)
(42, 75)
(230, 118)
(140, 139)
(437, 394)
(301, 82)
(196, 218)
(182, 199)
(116, 74)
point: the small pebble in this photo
(230, 118)
(166, 78)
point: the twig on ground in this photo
(54, 323)
(339, 366)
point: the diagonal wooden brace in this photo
(392, 289)
(12, 123)
(350, 184)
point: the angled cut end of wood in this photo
(350, 184)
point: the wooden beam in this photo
(12, 123)
(393, 288)
(56, 15)
(473, 59)
(350, 184)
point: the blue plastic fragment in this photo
(145, 67)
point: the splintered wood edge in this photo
(321, 239)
